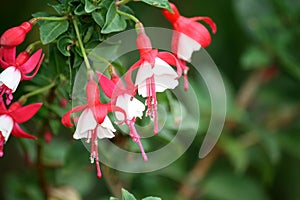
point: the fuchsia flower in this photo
(15, 36)
(17, 69)
(11, 118)
(154, 73)
(93, 122)
(189, 35)
(122, 97)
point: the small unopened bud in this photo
(22, 58)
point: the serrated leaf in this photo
(51, 30)
(127, 196)
(159, 3)
(113, 22)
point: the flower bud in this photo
(16, 35)
(22, 58)
(172, 17)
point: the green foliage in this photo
(258, 155)
(128, 196)
(49, 31)
(159, 3)
(114, 22)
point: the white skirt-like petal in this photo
(11, 78)
(6, 126)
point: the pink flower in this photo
(11, 118)
(93, 122)
(122, 97)
(17, 69)
(154, 73)
(189, 35)
(16, 35)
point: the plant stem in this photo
(85, 58)
(101, 59)
(133, 18)
(50, 18)
(24, 98)
(31, 47)
(122, 3)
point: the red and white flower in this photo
(154, 73)
(17, 69)
(11, 118)
(188, 36)
(122, 97)
(93, 123)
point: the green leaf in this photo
(79, 10)
(114, 22)
(255, 57)
(151, 198)
(159, 3)
(51, 30)
(113, 198)
(99, 17)
(62, 45)
(228, 186)
(89, 6)
(236, 152)
(127, 196)
(59, 8)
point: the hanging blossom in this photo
(188, 36)
(15, 36)
(93, 122)
(122, 97)
(154, 73)
(17, 69)
(12, 117)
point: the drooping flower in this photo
(189, 35)
(154, 73)
(122, 97)
(15, 36)
(93, 123)
(12, 117)
(17, 69)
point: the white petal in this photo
(6, 126)
(107, 124)
(165, 82)
(163, 68)
(106, 129)
(142, 89)
(133, 108)
(136, 108)
(85, 123)
(104, 132)
(186, 47)
(10, 77)
(144, 72)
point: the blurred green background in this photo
(256, 48)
